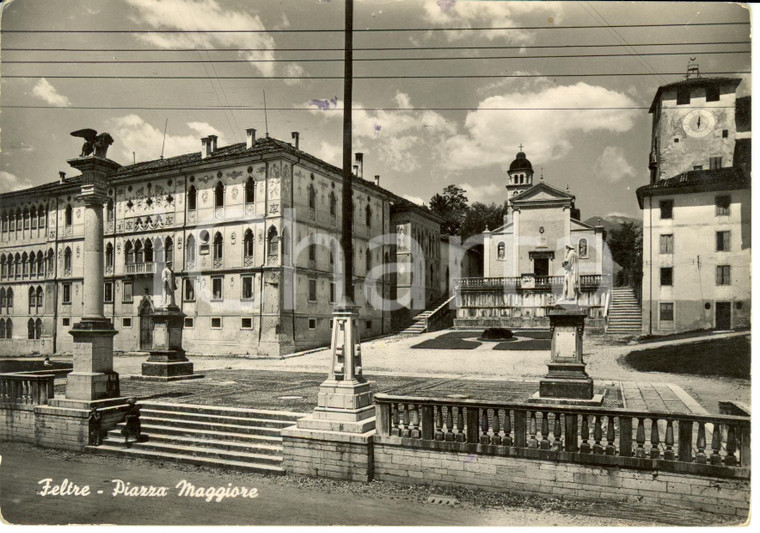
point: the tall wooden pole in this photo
(348, 208)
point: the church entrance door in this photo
(541, 266)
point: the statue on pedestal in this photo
(96, 145)
(168, 285)
(571, 288)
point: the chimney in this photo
(250, 137)
(294, 135)
(377, 180)
(356, 170)
(62, 175)
(212, 141)
(205, 147)
(360, 164)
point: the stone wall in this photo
(568, 480)
(327, 454)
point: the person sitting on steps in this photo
(131, 429)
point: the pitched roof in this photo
(696, 181)
(541, 186)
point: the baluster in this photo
(669, 455)
(427, 426)
(557, 444)
(640, 439)
(585, 446)
(449, 423)
(496, 437)
(460, 435)
(521, 428)
(383, 419)
(701, 444)
(545, 444)
(507, 428)
(610, 435)
(715, 445)
(685, 436)
(405, 432)
(598, 448)
(484, 438)
(438, 422)
(626, 436)
(395, 430)
(415, 433)
(731, 446)
(654, 453)
(532, 441)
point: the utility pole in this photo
(348, 208)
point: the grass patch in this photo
(728, 358)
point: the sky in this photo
(600, 154)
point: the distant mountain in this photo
(611, 222)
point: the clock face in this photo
(698, 123)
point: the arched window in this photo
(250, 191)
(333, 204)
(33, 217)
(248, 244)
(40, 299)
(501, 251)
(30, 329)
(312, 196)
(218, 246)
(367, 261)
(51, 261)
(25, 263)
(38, 329)
(40, 264)
(138, 251)
(2, 299)
(3, 267)
(68, 218)
(9, 329)
(9, 300)
(67, 260)
(368, 216)
(26, 218)
(5, 223)
(332, 253)
(2, 328)
(109, 211)
(190, 250)
(219, 195)
(192, 198)
(109, 256)
(32, 265)
(583, 248)
(12, 220)
(129, 255)
(169, 251)
(273, 242)
(148, 251)
(41, 216)
(17, 266)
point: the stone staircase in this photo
(625, 313)
(421, 321)
(243, 439)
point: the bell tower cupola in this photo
(520, 174)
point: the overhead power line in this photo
(365, 59)
(372, 30)
(316, 109)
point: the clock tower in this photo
(693, 125)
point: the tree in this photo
(626, 246)
(451, 206)
(481, 216)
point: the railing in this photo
(587, 281)
(141, 268)
(26, 389)
(441, 317)
(701, 444)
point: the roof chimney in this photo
(250, 137)
(205, 147)
(62, 175)
(356, 170)
(377, 180)
(360, 164)
(212, 140)
(294, 135)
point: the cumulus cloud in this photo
(546, 133)
(46, 92)
(487, 193)
(10, 182)
(331, 153)
(134, 134)
(612, 165)
(414, 199)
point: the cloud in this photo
(19, 146)
(331, 153)
(467, 14)
(612, 165)
(45, 91)
(546, 133)
(10, 182)
(207, 14)
(487, 193)
(133, 134)
(414, 199)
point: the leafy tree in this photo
(481, 216)
(626, 246)
(451, 206)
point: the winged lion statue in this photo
(94, 144)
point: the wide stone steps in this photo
(247, 439)
(624, 313)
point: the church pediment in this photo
(541, 193)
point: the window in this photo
(32, 300)
(312, 290)
(2, 299)
(138, 252)
(666, 311)
(129, 256)
(273, 242)
(722, 206)
(368, 216)
(247, 287)
(169, 251)
(218, 246)
(250, 191)
(725, 134)
(66, 293)
(248, 244)
(683, 97)
(216, 322)
(219, 195)
(40, 264)
(333, 287)
(666, 276)
(190, 250)
(188, 323)
(40, 299)
(713, 94)
(2, 328)
(9, 300)
(30, 329)
(312, 251)
(67, 260)
(666, 208)
(716, 163)
(216, 288)
(126, 322)
(246, 322)
(368, 324)
(722, 241)
(108, 292)
(41, 217)
(368, 262)
(33, 217)
(666, 244)
(9, 329)
(68, 218)
(109, 211)
(333, 204)
(723, 275)
(312, 323)
(148, 251)
(65, 321)
(109, 256)
(697, 167)
(189, 290)
(126, 295)
(192, 198)
(312, 196)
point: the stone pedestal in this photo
(167, 360)
(93, 377)
(567, 382)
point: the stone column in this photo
(93, 377)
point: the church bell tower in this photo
(519, 175)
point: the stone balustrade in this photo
(26, 388)
(141, 268)
(588, 281)
(716, 445)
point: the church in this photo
(522, 259)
